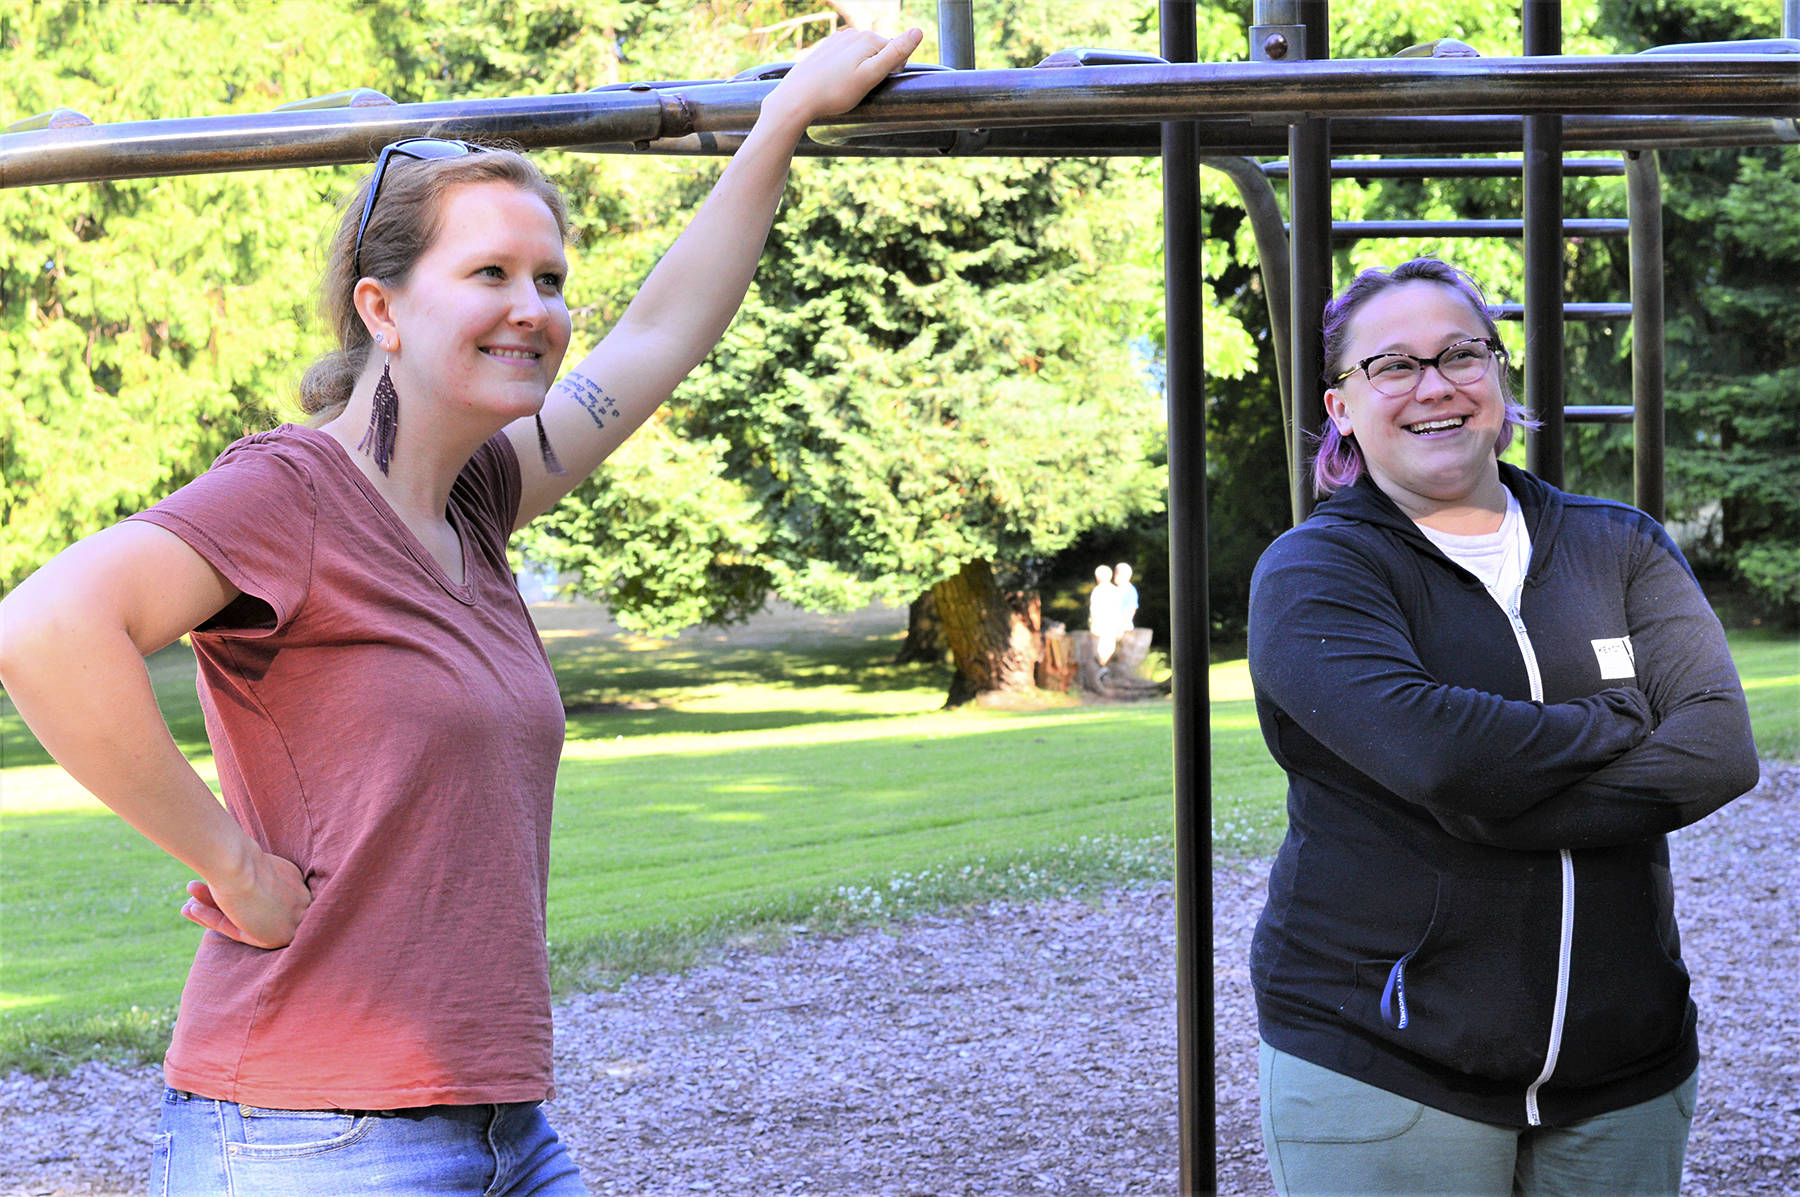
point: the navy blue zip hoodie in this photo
(1472, 906)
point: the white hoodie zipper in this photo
(1566, 939)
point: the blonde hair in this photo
(401, 228)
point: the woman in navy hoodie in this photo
(1492, 700)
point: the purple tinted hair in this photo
(1338, 461)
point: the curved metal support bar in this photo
(1266, 226)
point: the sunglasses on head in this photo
(421, 148)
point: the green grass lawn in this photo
(1769, 663)
(709, 790)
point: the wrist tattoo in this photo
(599, 406)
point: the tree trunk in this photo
(993, 637)
(924, 634)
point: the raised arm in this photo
(73, 637)
(690, 298)
(1701, 754)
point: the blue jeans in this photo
(207, 1148)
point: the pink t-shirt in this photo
(396, 735)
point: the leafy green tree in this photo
(932, 371)
(147, 323)
(1732, 234)
(931, 387)
(1732, 364)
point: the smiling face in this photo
(480, 322)
(1434, 449)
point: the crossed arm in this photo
(1699, 755)
(1330, 649)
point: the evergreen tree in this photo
(147, 323)
(1732, 236)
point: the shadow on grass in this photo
(618, 687)
(639, 720)
(612, 690)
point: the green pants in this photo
(1329, 1136)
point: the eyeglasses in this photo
(422, 148)
(1398, 374)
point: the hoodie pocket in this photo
(1474, 993)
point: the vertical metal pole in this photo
(1790, 18)
(956, 34)
(1643, 189)
(1189, 626)
(1544, 260)
(1309, 257)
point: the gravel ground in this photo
(1015, 1049)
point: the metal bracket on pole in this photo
(1277, 43)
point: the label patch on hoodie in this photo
(1616, 658)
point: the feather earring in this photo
(384, 420)
(544, 449)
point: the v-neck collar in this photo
(464, 591)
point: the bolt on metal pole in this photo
(1189, 627)
(1544, 381)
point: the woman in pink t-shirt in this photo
(369, 1007)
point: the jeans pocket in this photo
(1306, 1103)
(290, 1134)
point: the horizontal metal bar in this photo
(644, 115)
(1598, 415)
(1372, 135)
(318, 137)
(1364, 230)
(1590, 312)
(1750, 84)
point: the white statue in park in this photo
(1103, 613)
(1127, 595)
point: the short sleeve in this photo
(252, 516)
